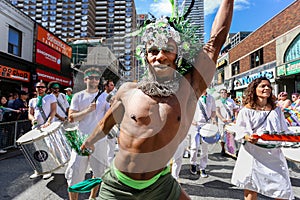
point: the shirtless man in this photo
(155, 114)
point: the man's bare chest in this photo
(153, 111)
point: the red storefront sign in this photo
(13, 73)
(47, 56)
(54, 42)
(47, 76)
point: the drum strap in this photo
(203, 110)
(228, 111)
(61, 107)
(261, 123)
(43, 113)
(254, 129)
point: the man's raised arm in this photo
(219, 30)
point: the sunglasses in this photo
(94, 77)
(40, 87)
(55, 88)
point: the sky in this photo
(248, 15)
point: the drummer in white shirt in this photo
(62, 107)
(41, 112)
(226, 111)
(206, 106)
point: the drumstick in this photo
(284, 138)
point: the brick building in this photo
(272, 51)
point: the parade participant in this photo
(69, 94)
(22, 105)
(205, 113)
(41, 113)
(176, 162)
(110, 90)
(4, 109)
(296, 100)
(155, 113)
(258, 169)
(87, 108)
(283, 101)
(226, 111)
(62, 107)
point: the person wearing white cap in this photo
(69, 94)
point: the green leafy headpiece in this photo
(159, 31)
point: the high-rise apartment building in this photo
(196, 16)
(71, 19)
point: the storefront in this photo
(288, 73)
(53, 58)
(241, 81)
(15, 74)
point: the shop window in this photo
(14, 41)
(256, 58)
(293, 51)
(235, 68)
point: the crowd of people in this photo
(151, 120)
(15, 106)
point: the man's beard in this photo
(150, 86)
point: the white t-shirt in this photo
(64, 103)
(81, 101)
(47, 100)
(209, 107)
(230, 105)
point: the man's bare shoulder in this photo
(125, 88)
(128, 85)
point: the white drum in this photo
(46, 149)
(292, 154)
(210, 133)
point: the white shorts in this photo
(78, 165)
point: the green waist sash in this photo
(139, 184)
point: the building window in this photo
(83, 34)
(84, 6)
(84, 12)
(52, 7)
(235, 68)
(44, 18)
(256, 58)
(293, 51)
(14, 41)
(52, 24)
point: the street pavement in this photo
(16, 185)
